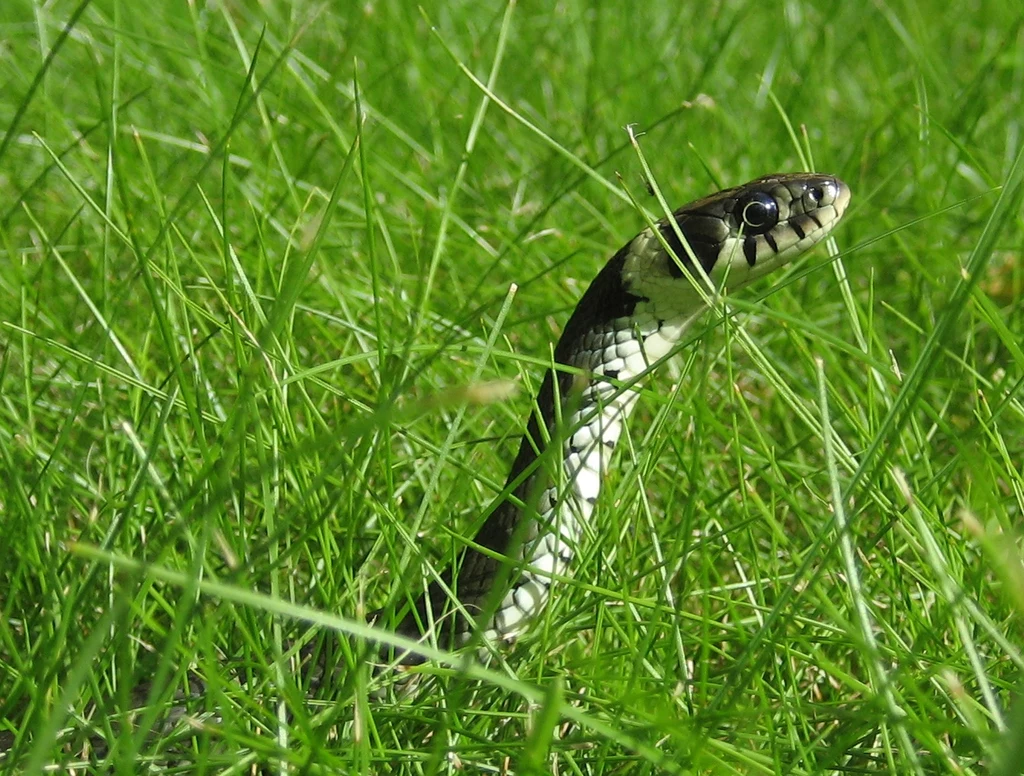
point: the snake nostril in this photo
(816, 194)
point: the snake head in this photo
(735, 235)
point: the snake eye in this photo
(759, 211)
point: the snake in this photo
(634, 313)
(631, 317)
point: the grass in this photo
(256, 290)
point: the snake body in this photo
(633, 313)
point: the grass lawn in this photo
(269, 272)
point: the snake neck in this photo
(609, 341)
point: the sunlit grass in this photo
(269, 270)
